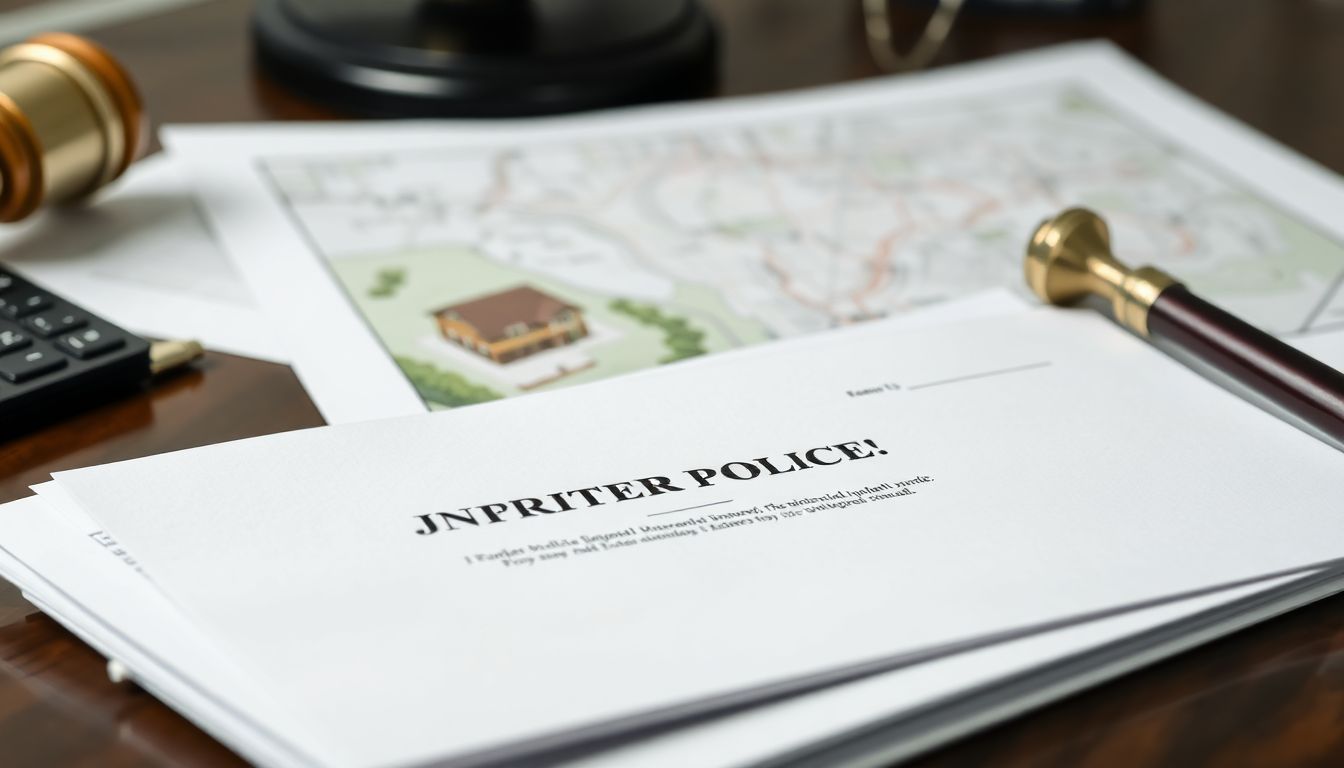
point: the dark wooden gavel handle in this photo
(1297, 382)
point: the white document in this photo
(575, 563)
(95, 588)
(1326, 346)
(141, 256)
(104, 599)
(709, 226)
(928, 705)
(80, 576)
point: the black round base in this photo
(485, 58)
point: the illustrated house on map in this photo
(511, 324)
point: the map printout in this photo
(500, 262)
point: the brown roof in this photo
(492, 313)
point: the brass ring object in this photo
(71, 121)
(877, 26)
(1069, 257)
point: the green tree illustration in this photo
(681, 340)
(386, 283)
(444, 387)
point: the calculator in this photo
(56, 357)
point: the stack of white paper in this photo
(807, 531)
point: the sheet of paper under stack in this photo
(681, 566)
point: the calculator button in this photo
(5, 282)
(23, 366)
(52, 323)
(23, 303)
(12, 340)
(89, 342)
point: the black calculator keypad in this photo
(89, 343)
(16, 303)
(51, 323)
(11, 340)
(24, 366)
(56, 357)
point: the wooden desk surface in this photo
(1272, 695)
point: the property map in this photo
(493, 270)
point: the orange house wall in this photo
(467, 335)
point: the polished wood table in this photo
(1268, 696)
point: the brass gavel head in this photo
(71, 121)
(1069, 258)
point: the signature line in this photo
(968, 377)
(697, 506)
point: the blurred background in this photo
(1264, 61)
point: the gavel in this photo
(1069, 259)
(71, 121)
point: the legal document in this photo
(576, 564)
(85, 579)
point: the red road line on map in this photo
(786, 285)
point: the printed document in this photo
(574, 564)
(84, 579)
